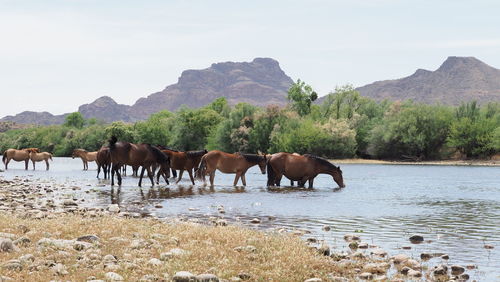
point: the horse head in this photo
(263, 163)
(337, 176)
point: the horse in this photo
(38, 157)
(103, 160)
(237, 163)
(145, 155)
(18, 156)
(85, 156)
(184, 161)
(300, 168)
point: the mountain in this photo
(260, 82)
(457, 80)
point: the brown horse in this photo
(18, 156)
(237, 163)
(300, 168)
(145, 155)
(85, 156)
(103, 160)
(183, 161)
(38, 157)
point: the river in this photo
(455, 208)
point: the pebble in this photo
(244, 276)
(379, 253)
(13, 264)
(154, 262)
(351, 237)
(489, 246)
(255, 221)
(414, 273)
(445, 257)
(457, 269)
(183, 276)
(313, 280)
(207, 277)
(113, 276)
(440, 270)
(363, 245)
(113, 208)
(366, 276)
(88, 238)
(324, 249)
(425, 256)
(7, 246)
(413, 264)
(326, 228)
(22, 241)
(398, 259)
(376, 268)
(416, 239)
(60, 269)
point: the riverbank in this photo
(438, 162)
(49, 235)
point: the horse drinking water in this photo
(237, 163)
(300, 168)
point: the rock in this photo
(220, 222)
(166, 256)
(425, 256)
(464, 276)
(413, 264)
(406, 247)
(312, 240)
(183, 276)
(339, 256)
(414, 273)
(158, 206)
(457, 270)
(154, 262)
(405, 270)
(326, 228)
(353, 245)
(7, 246)
(22, 241)
(382, 278)
(23, 228)
(109, 259)
(363, 245)
(69, 203)
(149, 278)
(207, 277)
(489, 246)
(88, 238)
(445, 257)
(7, 236)
(336, 278)
(313, 280)
(27, 258)
(324, 249)
(113, 208)
(440, 270)
(400, 258)
(13, 264)
(60, 269)
(140, 244)
(351, 237)
(113, 276)
(244, 276)
(255, 220)
(55, 243)
(80, 246)
(376, 268)
(471, 266)
(379, 253)
(366, 276)
(415, 239)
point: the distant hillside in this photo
(260, 82)
(457, 80)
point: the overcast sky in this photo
(57, 55)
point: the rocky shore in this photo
(48, 237)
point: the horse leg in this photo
(151, 176)
(291, 182)
(243, 180)
(180, 175)
(113, 175)
(311, 181)
(47, 163)
(190, 172)
(98, 170)
(236, 178)
(33, 164)
(278, 179)
(26, 162)
(212, 177)
(119, 176)
(142, 174)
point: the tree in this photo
(302, 96)
(192, 128)
(157, 129)
(75, 120)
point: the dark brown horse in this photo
(184, 161)
(145, 155)
(300, 168)
(103, 161)
(237, 163)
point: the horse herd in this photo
(162, 161)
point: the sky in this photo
(56, 55)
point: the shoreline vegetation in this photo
(344, 125)
(477, 162)
(50, 236)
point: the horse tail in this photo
(50, 156)
(271, 175)
(202, 169)
(112, 142)
(4, 156)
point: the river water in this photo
(455, 208)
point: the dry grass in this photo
(211, 250)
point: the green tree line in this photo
(344, 125)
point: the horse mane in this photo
(193, 154)
(80, 150)
(161, 147)
(112, 142)
(320, 160)
(254, 158)
(160, 156)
